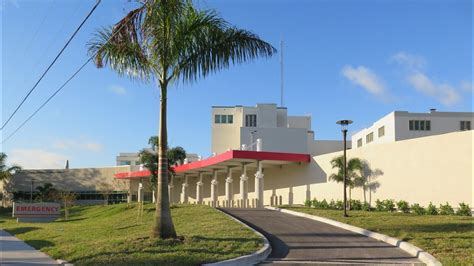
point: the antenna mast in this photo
(281, 72)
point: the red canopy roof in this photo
(227, 159)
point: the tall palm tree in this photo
(165, 41)
(354, 168)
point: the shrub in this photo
(464, 210)
(324, 204)
(431, 210)
(417, 209)
(403, 206)
(339, 205)
(307, 203)
(332, 204)
(446, 209)
(315, 203)
(379, 205)
(356, 205)
(388, 205)
(366, 206)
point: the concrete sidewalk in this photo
(16, 252)
(297, 240)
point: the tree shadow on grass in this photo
(39, 244)
(21, 230)
(440, 228)
(70, 220)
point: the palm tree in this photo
(165, 41)
(6, 172)
(354, 168)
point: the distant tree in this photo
(354, 167)
(67, 198)
(149, 159)
(45, 192)
(6, 173)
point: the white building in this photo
(402, 125)
(239, 127)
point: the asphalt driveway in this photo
(298, 240)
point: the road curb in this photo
(411, 249)
(251, 259)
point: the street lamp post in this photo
(344, 124)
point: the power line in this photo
(52, 63)
(60, 88)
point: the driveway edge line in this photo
(411, 249)
(251, 259)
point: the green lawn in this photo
(448, 238)
(111, 235)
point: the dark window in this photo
(422, 125)
(359, 143)
(230, 119)
(217, 119)
(411, 125)
(428, 125)
(417, 125)
(465, 125)
(250, 120)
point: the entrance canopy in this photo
(226, 160)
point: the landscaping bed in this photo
(447, 237)
(114, 235)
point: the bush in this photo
(332, 204)
(417, 209)
(446, 209)
(431, 210)
(403, 206)
(307, 203)
(379, 205)
(464, 210)
(356, 205)
(315, 203)
(388, 205)
(366, 206)
(339, 205)
(324, 204)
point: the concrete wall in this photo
(387, 121)
(436, 168)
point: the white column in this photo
(259, 144)
(228, 187)
(199, 185)
(214, 192)
(170, 189)
(184, 190)
(243, 186)
(140, 191)
(259, 185)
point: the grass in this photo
(112, 235)
(448, 238)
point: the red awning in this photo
(232, 158)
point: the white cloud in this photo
(119, 90)
(467, 86)
(37, 159)
(411, 61)
(444, 93)
(365, 78)
(86, 145)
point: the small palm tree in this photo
(5, 175)
(165, 41)
(354, 168)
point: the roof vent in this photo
(432, 110)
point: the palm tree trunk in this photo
(163, 227)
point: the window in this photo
(419, 125)
(223, 119)
(465, 125)
(250, 120)
(369, 138)
(359, 143)
(125, 163)
(381, 131)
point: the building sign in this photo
(36, 212)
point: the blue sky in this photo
(354, 60)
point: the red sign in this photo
(36, 210)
